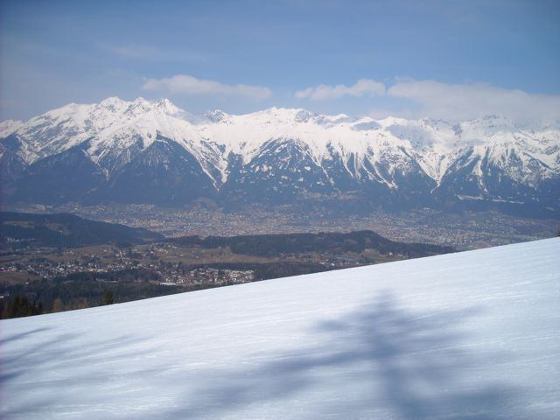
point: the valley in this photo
(55, 278)
(461, 229)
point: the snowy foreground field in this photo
(468, 335)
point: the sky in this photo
(440, 59)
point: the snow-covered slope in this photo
(486, 159)
(466, 335)
(8, 127)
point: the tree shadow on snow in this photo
(63, 355)
(380, 361)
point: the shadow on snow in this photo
(380, 361)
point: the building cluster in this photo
(165, 273)
(206, 276)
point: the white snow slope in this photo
(468, 335)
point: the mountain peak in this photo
(216, 115)
(303, 115)
(168, 107)
(112, 101)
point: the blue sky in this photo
(240, 56)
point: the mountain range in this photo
(154, 152)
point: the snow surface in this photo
(8, 127)
(467, 335)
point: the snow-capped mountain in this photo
(143, 151)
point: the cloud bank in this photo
(429, 98)
(362, 87)
(408, 98)
(189, 85)
(465, 101)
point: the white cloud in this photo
(190, 85)
(428, 98)
(325, 92)
(472, 100)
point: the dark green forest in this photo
(297, 243)
(66, 230)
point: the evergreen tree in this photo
(57, 306)
(20, 306)
(108, 297)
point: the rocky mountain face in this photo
(154, 152)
